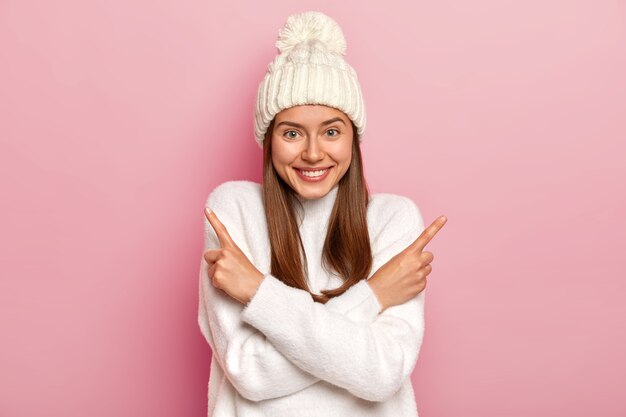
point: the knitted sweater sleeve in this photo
(256, 369)
(369, 359)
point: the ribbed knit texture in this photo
(285, 355)
(310, 69)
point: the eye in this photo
(287, 132)
(329, 130)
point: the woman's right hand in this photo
(404, 275)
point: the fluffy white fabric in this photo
(283, 354)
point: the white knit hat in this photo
(309, 69)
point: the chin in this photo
(315, 190)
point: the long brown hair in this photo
(347, 245)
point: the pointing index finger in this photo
(219, 228)
(428, 233)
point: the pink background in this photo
(118, 118)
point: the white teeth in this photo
(313, 173)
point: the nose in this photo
(313, 151)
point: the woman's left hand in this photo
(230, 269)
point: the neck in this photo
(317, 210)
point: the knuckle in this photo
(216, 279)
(404, 261)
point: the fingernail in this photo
(207, 210)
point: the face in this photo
(312, 148)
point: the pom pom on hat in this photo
(308, 26)
(310, 69)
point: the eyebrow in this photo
(327, 122)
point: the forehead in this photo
(310, 113)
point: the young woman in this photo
(312, 290)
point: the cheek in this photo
(343, 154)
(281, 155)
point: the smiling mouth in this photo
(318, 172)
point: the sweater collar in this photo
(318, 210)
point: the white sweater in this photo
(284, 355)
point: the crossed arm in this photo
(283, 341)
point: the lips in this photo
(316, 178)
